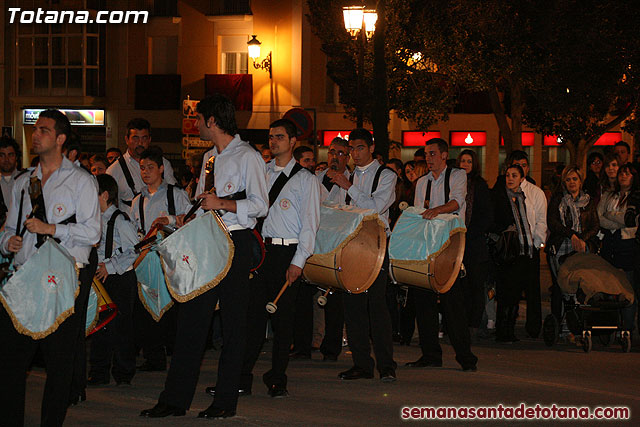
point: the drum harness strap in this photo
(129, 178)
(280, 182)
(171, 204)
(108, 249)
(374, 186)
(447, 189)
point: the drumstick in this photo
(144, 252)
(271, 306)
(403, 205)
(322, 299)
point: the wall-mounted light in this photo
(253, 47)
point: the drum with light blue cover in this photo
(41, 293)
(349, 249)
(196, 257)
(426, 252)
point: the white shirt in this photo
(536, 206)
(124, 191)
(6, 184)
(381, 199)
(457, 190)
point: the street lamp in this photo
(361, 24)
(253, 46)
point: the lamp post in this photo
(361, 24)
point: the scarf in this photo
(570, 210)
(469, 210)
(516, 200)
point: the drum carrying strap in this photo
(374, 186)
(128, 178)
(171, 206)
(447, 188)
(280, 183)
(111, 225)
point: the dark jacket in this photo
(480, 221)
(589, 223)
(502, 213)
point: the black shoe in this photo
(213, 412)
(241, 392)
(278, 392)
(97, 381)
(299, 356)
(355, 373)
(328, 358)
(423, 363)
(162, 410)
(471, 368)
(148, 367)
(388, 376)
(81, 397)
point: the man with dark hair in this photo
(442, 191)
(232, 180)
(70, 213)
(304, 155)
(113, 348)
(623, 152)
(370, 186)
(289, 231)
(113, 154)
(126, 169)
(419, 155)
(9, 156)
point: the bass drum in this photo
(426, 253)
(354, 265)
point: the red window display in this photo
(328, 135)
(552, 140)
(411, 138)
(468, 139)
(527, 139)
(609, 138)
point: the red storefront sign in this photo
(468, 139)
(609, 138)
(328, 135)
(552, 140)
(411, 138)
(527, 139)
(190, 126)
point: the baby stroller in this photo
(594, 293)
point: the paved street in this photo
(525, 372)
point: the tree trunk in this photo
(501, 119)
(380, 113)
(517, 105)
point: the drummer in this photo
(436, 202)
(338, 157)
(73, 217)
(161, 203)
(290, 233)
(240, 192)
(115, 271)
(370, 186)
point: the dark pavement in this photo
(527, 372)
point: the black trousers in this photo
(265, 288)
(367, 317)
(153, 336)
(453, 313)
(392, 304)
(407, 318)
(113, 347)
(303, 323)
(473, 288)
(522, 275)
(194, 320)
(59, 351)
(333, 325)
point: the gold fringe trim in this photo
(207, 286)
(438, 252)
(354, 234)
(58, 321)
(146, 306)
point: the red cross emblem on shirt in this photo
(59, 208)
(52, 279)
(229, 187)
(185, 258)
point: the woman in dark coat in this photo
(509, 211)
(478, 219)
(573, 223)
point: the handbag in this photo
(506, 248)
